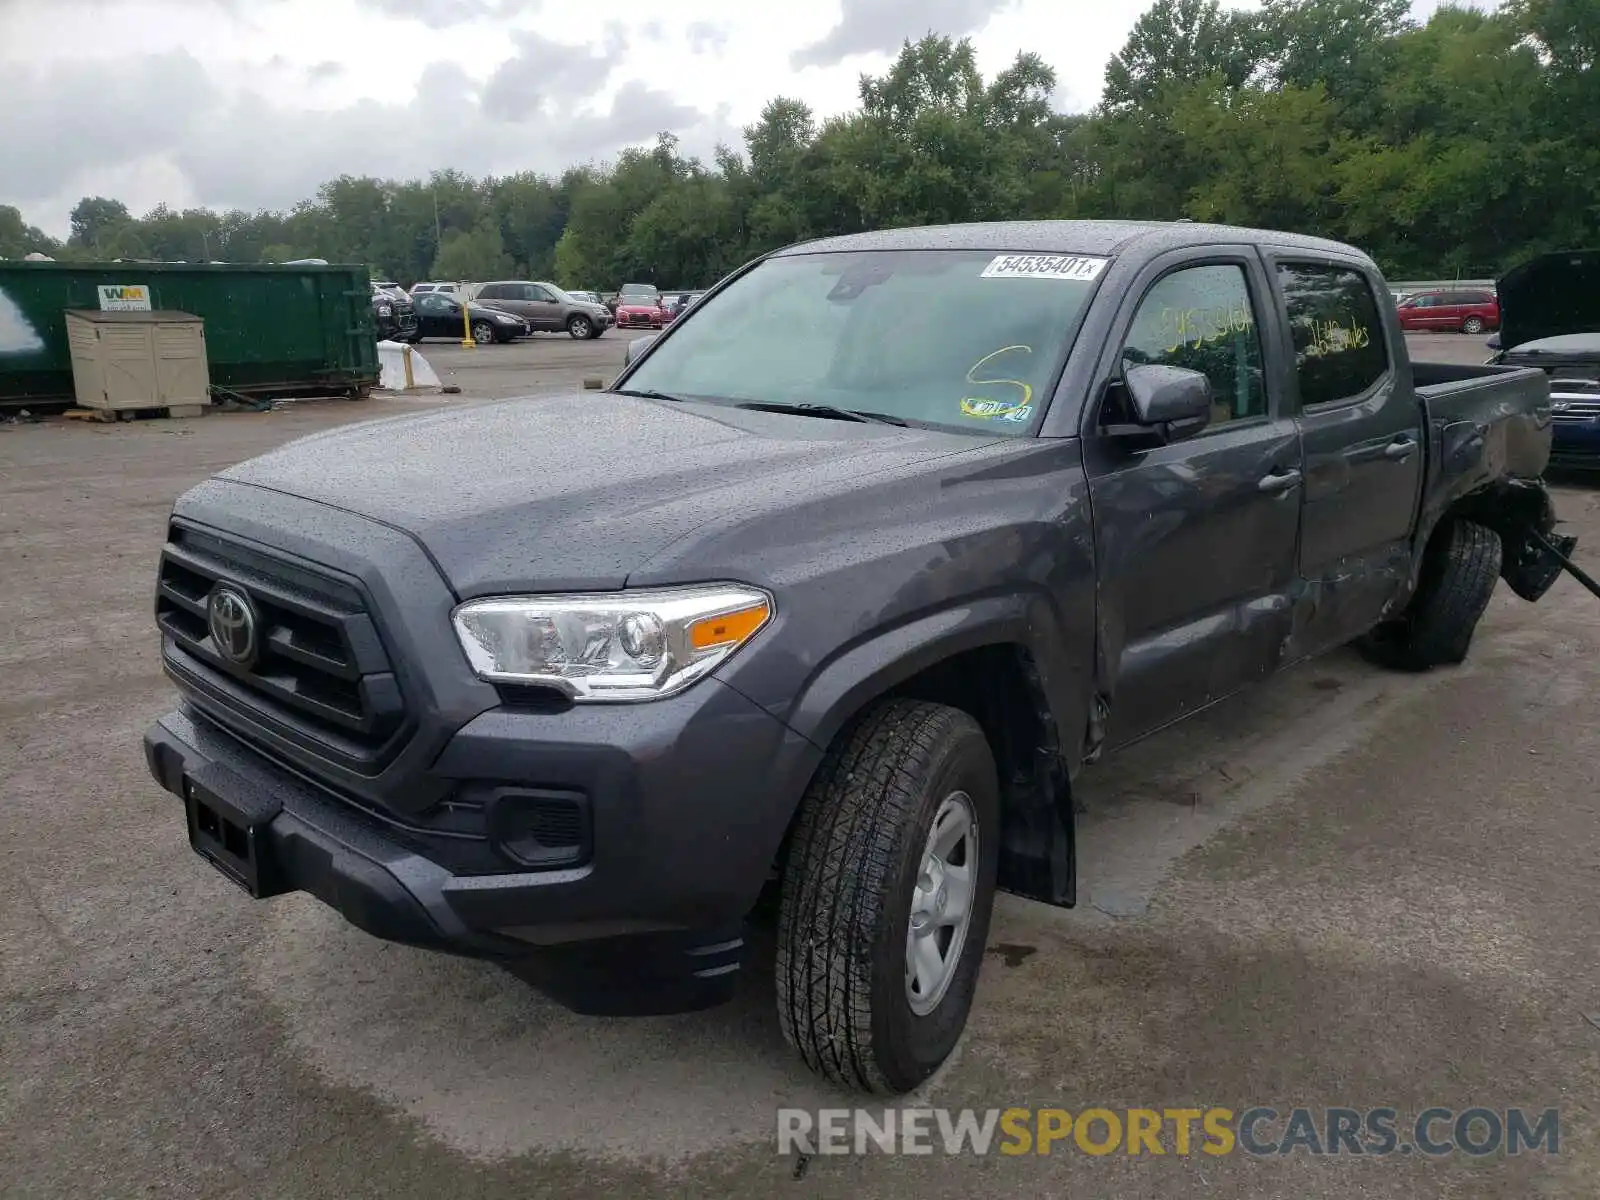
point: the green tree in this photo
(19, 239)
(1177, 42)
(95, 220)
(473, 255)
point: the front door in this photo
(1195, 539)
(1362, 430)
(434, 314)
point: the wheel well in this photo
(998, 686)
(1519, 510)
(991, 685)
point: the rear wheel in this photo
(1459, 570)
(1473, 325)
(887, 895)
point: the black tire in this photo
(483, 331)
(1472, 325)
(845, 908)
(580, 327)
(1459, 570)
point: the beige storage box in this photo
(139, 360)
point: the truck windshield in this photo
(965, 340)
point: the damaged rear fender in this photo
(1522, 513)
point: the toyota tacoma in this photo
(822, 607)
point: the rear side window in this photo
(492, 291)
(1339, 348)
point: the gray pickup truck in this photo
(827, 600)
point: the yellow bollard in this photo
(411, 380)
(466, 327)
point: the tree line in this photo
(1453, 148)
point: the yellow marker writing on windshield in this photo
(974, 407)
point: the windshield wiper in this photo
(827, 411)
(647, 394)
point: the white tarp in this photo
(392, 368)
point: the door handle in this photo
(1400, 449)
(1278, 481)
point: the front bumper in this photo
(688, 803)
(1575, 443)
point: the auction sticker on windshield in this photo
(1044, 266)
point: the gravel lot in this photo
(533, 364)
(1347, 888)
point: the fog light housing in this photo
(540, 828)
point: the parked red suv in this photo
(1470, 311)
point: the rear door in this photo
(1454, 308)
(1362, 432)
(1195, 539)
(501, 296)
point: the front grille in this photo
(1574, 408)
(320, 677)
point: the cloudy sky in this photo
(252, 103)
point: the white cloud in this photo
(868, 26)
(252, 103)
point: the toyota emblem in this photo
(232, 620)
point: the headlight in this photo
(384, 310)
(636, 645)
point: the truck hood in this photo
(577, 492)
(1549, 296)
(1555, 351)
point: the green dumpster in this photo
(270, 330)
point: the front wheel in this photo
(887, 895)
(580, 327)
(483, 332)
(1472, 325)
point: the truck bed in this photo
(1484, 421)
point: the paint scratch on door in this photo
(17, 334)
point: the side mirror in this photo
(1172, 401)
(637, 347)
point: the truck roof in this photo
(1063, 237)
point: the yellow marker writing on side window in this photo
(977, 407)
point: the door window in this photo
(1339, 347)
(535, 292)
(1202, 318)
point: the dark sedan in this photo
(439, 316)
